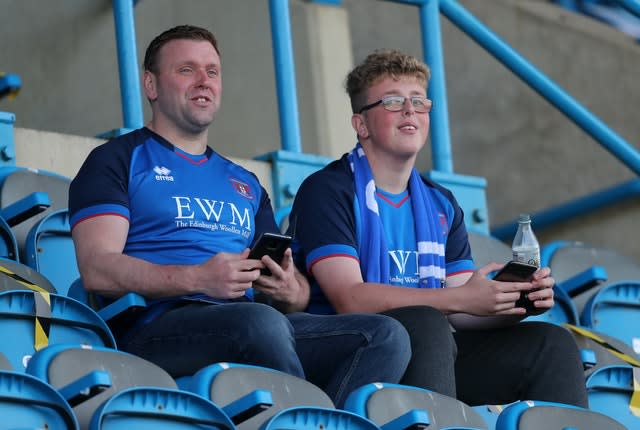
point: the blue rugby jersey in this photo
(182, 209)
(324, 213)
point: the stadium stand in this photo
(39, 236)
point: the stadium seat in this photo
(49, 249)
(4, 363)
(615, 310)
(600, 350)
(110, 389)
(529, 415)
(17, 276)
(35, 320)
(27, 402)
(615, 391)
(251, 395)
(570, 258)
(8, 243)
(394, 406)
(44, 191)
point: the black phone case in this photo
(271, 244)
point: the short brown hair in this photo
(378, 65)
(189, 32)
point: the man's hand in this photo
(286, 287)
(227, 276)
(482, 296)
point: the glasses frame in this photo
(404, 101)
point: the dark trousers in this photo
(338, 353)
(526, 361)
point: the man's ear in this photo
(359, 125)
(149, 82)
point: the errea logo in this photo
(163, 174)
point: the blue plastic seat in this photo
(31, 321)
(29, 403)
(49, 249)
(260, 398)
(8, 243)
(582, 270)
(615, 310)
(27, 195)
(110, 389)
(529, 415)
(613, 391)
(18, 276)
(399, 407)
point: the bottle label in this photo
(530, 256)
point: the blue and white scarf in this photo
(374, 258)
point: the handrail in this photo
(285, 75)
(123, 14)
(591, 124)
(581, 206)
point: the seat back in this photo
(18, 276)
(49, 249)
(8, 243)
(31, 321)
(600, 350)
(313, 418)
(614, 391)
(29, 403)
(529, 415)
(145, 408)
(615, 310)
(18, 182)
(486, 249)
(251, 395)
(88, 376)
(394, 406)
(568, 258)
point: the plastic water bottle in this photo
(526, 248)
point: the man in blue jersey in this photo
(373, 235)
(159, 213)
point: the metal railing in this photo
(429, 11)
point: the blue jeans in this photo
(338, 353)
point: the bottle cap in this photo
(524, 218)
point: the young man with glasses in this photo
(160, 213)
(373, 235)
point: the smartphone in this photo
(271, 244)
(515, 271)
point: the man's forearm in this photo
(114, 275)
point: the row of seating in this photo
(82, 387)
(68, 321)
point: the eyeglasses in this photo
(396, 104)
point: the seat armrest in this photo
(584, 280)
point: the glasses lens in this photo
(393, 103)
(421, 104)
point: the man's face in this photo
(397, 134)
(185, 92)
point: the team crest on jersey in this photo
(242, 188)
(444, 225)
(163, 174)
